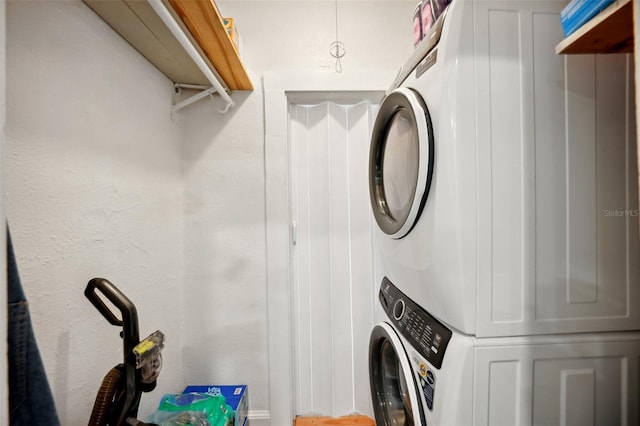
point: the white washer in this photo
(425, 373)
(503, 177)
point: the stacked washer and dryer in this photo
(504, 186)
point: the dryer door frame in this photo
(400, 178)
(389, 364)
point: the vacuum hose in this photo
(105, 398)
(119, 395)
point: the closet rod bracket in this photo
(204, 92)
(177, 31)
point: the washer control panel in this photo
(425, 333)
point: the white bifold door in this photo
(331, 245)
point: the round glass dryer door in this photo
(400, 162)
(394, 392)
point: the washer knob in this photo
(398, 309)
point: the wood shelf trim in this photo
(356, 420)
(611, 31)
(203, 20)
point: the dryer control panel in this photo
(425, 333)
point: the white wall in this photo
(225, 335)
(225, 255)
(296, 34)
(93, 188)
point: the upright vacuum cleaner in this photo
(119, 395)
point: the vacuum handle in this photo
(114, 295)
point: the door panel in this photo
(331, 256)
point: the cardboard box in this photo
(426, 17)
(232, 31)
(236, 396)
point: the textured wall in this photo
(225, 335)
(93, 188)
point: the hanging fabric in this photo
(30, 399)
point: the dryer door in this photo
(400, 161)
(394, 391)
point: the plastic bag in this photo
(192, 409)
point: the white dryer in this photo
(422, 372)
(503, 177)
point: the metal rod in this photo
(190, 86)
(193, 99)
(184, 41)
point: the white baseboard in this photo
(259, 418)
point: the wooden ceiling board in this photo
(139, 25)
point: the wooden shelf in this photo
(204, 22)
(611, 31)
(137, 23)
(329, 421)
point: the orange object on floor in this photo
(331, 421)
